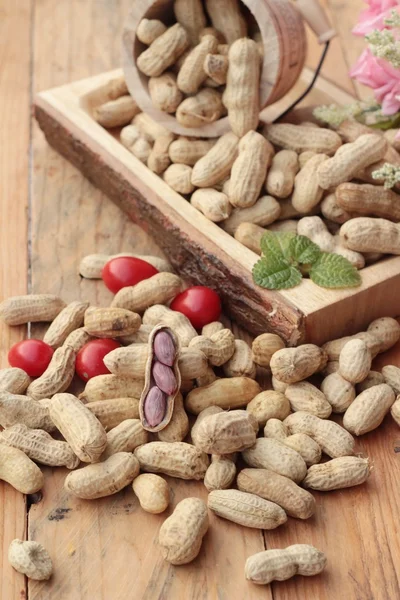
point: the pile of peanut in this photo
(303, 178)
(211, 410)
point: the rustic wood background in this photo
(50, 217)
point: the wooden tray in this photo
(200, 250)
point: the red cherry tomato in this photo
(33, 356)
(89, 360)
(200, 304)
(123, 271)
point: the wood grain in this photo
(15, 32)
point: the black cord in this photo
(310, 87)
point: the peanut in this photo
(277, 385)
(208, 377)
(21, 409)
(211, 410)
(220, 474)
(332, 366)
(204, 108)
(152, 492)
(34, 308)
(386, 331)
(307, 192)
(216, 67)
(304, 157)
(334, 440)
(269, 453)
(69, 319)
(333, 211)
(39, 446)
(249, 170)
(163, 51)
(241, 362)
(131, 361)
(271, 486)
(226, 432)
(281, 175)
(141, 149)
(188, 151)
(369, 409)
(226, 17)
(315, 229)
(125, 437)
(269, 405)
(116, 113)
(211, 328)
(274, 428)
(373, 378)
(218, 348)
(190, 14)
(129, 135)
(103, 479)
(391, 376)
(77, 339)
(79, 426)
(158, 289)
(350, 130)
(291, 365)
(301, 139)
(150, 129)
(111, 322)
(366, 234)
(279, 565)
(158, 160)
(395, 411)
(106, 387)
(212, 31)
(235, 392)
(31, 559)
(351, 158)
(308, 449)
(111, 413)
(19, 471)
(338, 473)
(58, 375)
(217, 163)
(355, 361)
(162, 315)
(264, 346)
(176, 459)
(14, 380)
(246, 509)
(339, 392)
(264, 212)
(140, 337)
(214, 205)
(165, 93)
(242, 96)
(178, 427)
(192, 74)
(149, 30)
(391, 135)
(303, 396)
(117, 87)
(91, 266)
(368, 200)
(178, 177)
(181, 535)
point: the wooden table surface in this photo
(51, 217)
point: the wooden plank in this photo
(15, 85)
(104, 549)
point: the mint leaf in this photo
(277, 243)
(303, 250)
(275, 273)
(334, 271)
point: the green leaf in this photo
(277, 243)
(303, 250)
(334, 271)
(275, 273)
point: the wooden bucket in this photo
(282, 29)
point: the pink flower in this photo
(374, 16)
(382, 77)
